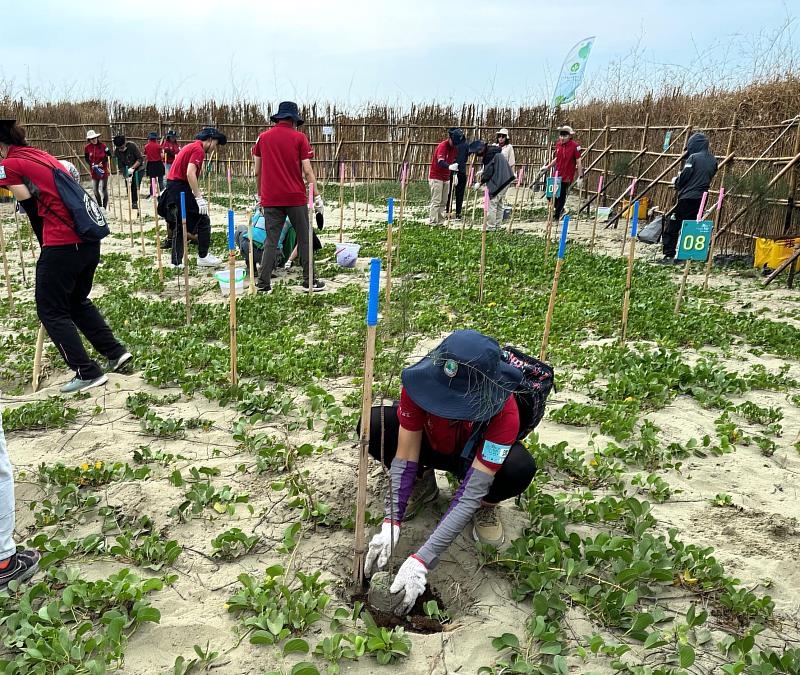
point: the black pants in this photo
(133, 183)
(169, 208)
(511, 480)
(561, 200)
(460, 188)
(274, 217)
(155, 170)
(100, 186)
(686, 209)
(64, 276)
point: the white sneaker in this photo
(288, 265)
(209, 261)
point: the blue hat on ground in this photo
(288, 110)
(152, 136)
(212, 134)
(464, 378)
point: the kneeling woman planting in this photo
(458, 412)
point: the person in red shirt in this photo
(282, 162)
(457, 414)
(443, 174)
(155, 163)
(66, 265)
(170, 148)
(184, 177)
(567, 162)
(96, 155)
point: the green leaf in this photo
(305, 668)
(261, 637)
(149, 614)
(295, 646)
(686, 654)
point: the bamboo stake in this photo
(250, 258)
(5, 270)
(629, 278)
(158, 232)
(550, 209)
(130, 209)
(628, 217)
(341, 202)
(37, 359)
(141, 224)
(688, 264)
(185, 260)
(554, 290)
(596, 212)
(232, 298)
(366, 415)
(520, 177)
(464, 215)
(403, 179)
(483, 241)
(717, 216)
(353, 182)
(310, 239)
(19, 244)
(389, 255)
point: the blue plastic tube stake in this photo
(563, 243)
(374, 289)
(391, 210)
(230, 229)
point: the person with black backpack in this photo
(463, 409)
(69, 225)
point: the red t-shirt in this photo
(448, 153)
(152, 151)
(23, 165)
(97, 155)
(450, 436)
(171, 149)
(567, 155)
(191, 154)
(282, 149)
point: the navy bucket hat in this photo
(212, 134)
(288, 110)
(476, 147)
(152, 136)
(456, 135)
(464, 378)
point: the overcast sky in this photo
(349, 52)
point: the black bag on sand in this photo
(651, 233)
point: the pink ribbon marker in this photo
(519, 177)
(341, 172)
(486, 201)
(600, 185)
(471, 175)
(404, 175)
(719, 199)
(633, 187)
(702, 206)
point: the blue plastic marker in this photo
(391, 210)
(374, 289)
(563, 243)
(635, 219)
(230, 229)
(183, 206)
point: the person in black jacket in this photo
(694, 179)
(496, 176)
(462, 147)
(130, 164)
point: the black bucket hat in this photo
(477, 146)
(212, 134)
(288, 110)
(118, 140)
(464, 378)
(456, 135)
(171, 133)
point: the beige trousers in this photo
(438, 210)
(496, 204)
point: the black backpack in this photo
(88, 220)
(538, 380)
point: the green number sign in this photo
(549, 192)
(694, 240)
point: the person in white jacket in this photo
(504, 141)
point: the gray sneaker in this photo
(76, 385)
(117, 364)
(425, 491)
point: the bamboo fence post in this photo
(629, 278)
(596, 213)
(550, 208)
(158, 232)
(389, 255)
(310, 239)
(232, 299)
(185, 260)
(37, 359)
(628, 217)
(483, 241)
(19, 245)
(548, 321)
(341, 202)
(5, 270)
(790, 201)
(366, 415)
(688, 264)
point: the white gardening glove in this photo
(453, 166)
(579, 182)
(672, 182)
(318, 204)
(455, 180)
(411, 578)
(479, 173)
(380, 547)
(544, 168)
(202, 205)
(477, 186)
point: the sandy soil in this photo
(757, 541)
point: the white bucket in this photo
(347, 254)
(224, 279)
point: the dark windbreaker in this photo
(497, 174)
(699, 169)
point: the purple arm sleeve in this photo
(466, 502)
(402, 474)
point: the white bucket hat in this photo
(568, 129)
(91, 134)
(503, 132)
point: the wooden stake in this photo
(185, 259)
(37, 359)
(632, 189)
(389, 255)
(717, 216)
(5, 270)
(554, 289)
(483, 241)
(250, 258)
(520, 176)
(629, 278)
(19, 244)
(341, 202)
(596, 212)
(403, 179)
(688, 265)
(130, 208)
(158, 231)
(232, 299)
(366, 415)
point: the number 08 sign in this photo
(694, 240)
